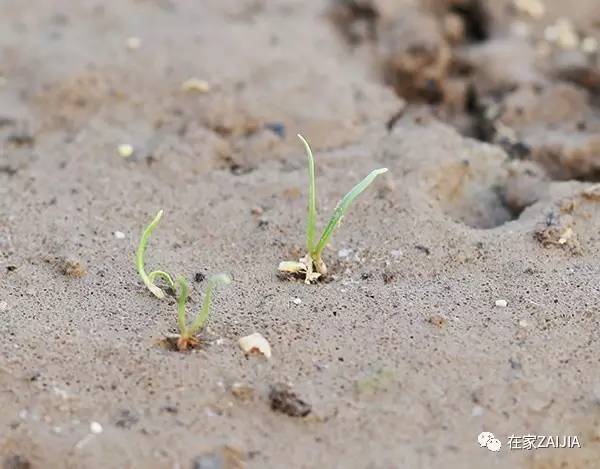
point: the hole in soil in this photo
(475, 19)
(484, 194)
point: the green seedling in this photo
(187, 333)
(139, 261)
(312, 265)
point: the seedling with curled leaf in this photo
(312, 265)
(187, 333)
(148, 279)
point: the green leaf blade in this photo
(311, 222)
(341, 209)
(164, 275)
(202, 316)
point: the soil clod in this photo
(226, 457)
(126, 419)
(21, 140)
(73, 268)
(438, 320)
(284, 400)
(243, 392)
(199, 277)
(15, 461)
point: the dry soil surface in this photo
(485, 113)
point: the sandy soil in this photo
(489, 123)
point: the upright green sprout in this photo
(187, 334)
(139, 261)
(312, 264)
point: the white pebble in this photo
(3, 305)
(501, 303)
(95, 428)
(125, 150)
(563, 33)
(344, 253)
(195, 85)
(523, 323)
(119, 235)
(133, 43)
(534, 8)
(255, 343)
(297, 301)
(396, 253)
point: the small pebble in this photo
(95, 428)
(297, 301)
(195, 85)
(563, 33)
(523, 323)
(3, 305)
(258, 210)
(125, 150)
(119, 235)
(255, 343)
(277, 128)
(534, 8)
(568, 234)
(344, 253)
(396, 253)
(133, 43)
(501, 303)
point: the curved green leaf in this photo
(139, 260)
(341, 209)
